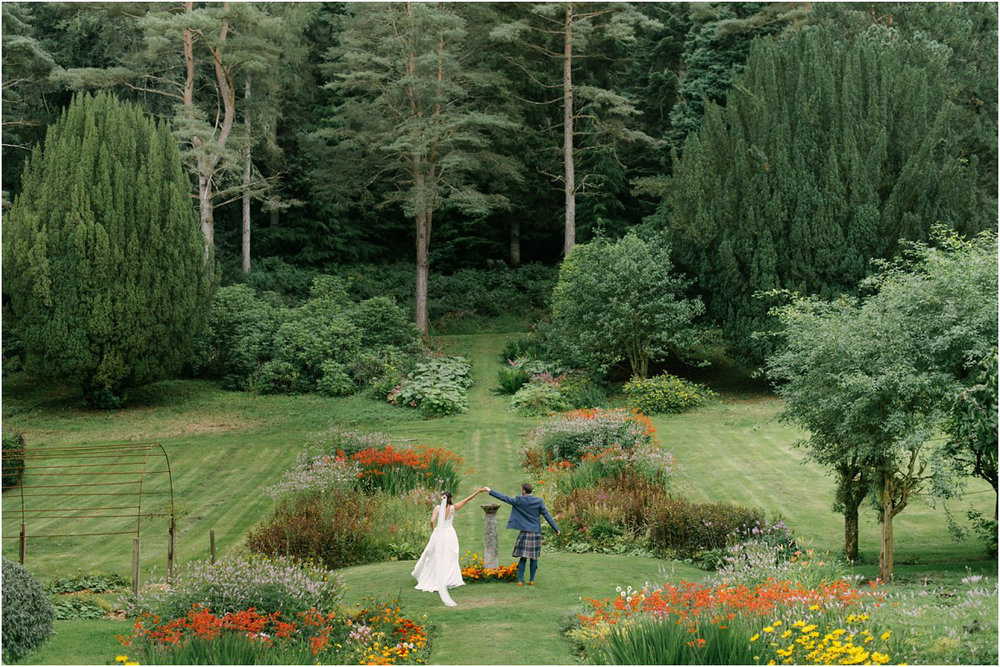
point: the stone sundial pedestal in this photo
(490, 537)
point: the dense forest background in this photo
(538, 126)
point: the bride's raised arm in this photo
(462, 502)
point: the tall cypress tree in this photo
(103, 261)
(829, 152)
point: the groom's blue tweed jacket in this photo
(525, 511)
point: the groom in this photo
(524, 516)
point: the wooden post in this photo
(170, 553)
(135, 566)
(22, 543)
(211, 541)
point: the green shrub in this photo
(334, 380)
(582, 392)
(510, 379)
(685, 528)
(437, 386)
(312, 335)
(95, 583)
(27, 612)
(383, 323)
(235, 584)
(72, 608)
(11, 345)
(239, 337)
(279, 377)
(538, 398)
(274, 274)
(523, 347)
(13, 459)
(626, 499)
(666, 393)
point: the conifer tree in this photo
(829, 152)
(103, 259)
(412, 117)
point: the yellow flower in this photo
(814, 607)
(131, 663)
(769, 629)
(121, 658)
(755, 637)
(885, 635)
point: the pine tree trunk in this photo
(515, 242)
(246, 185)
(423, 268)
(205, 209)
(423, 251)
(568, 166)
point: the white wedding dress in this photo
(438, 568)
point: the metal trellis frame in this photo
(60, 486)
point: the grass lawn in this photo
(225, 446)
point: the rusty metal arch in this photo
(65, 475)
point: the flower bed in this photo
(474, 570)
(377, 635)
(777, 622)
(384, 468)
(571, 435)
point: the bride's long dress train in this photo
(438, 568)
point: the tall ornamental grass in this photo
(654, 641)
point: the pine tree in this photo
(829, 152)
(411, 118)
(103, 258)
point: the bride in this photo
(438, 568)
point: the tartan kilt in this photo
(528, 545)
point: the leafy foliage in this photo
(437, 387)
(106, 267)
(537, 398)
(93, 583)
(618, 301)
(27, 616)
(665, 393)
(13, 459)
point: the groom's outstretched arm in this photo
(548, 517)
(499, 496)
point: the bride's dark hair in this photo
(447, 494)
